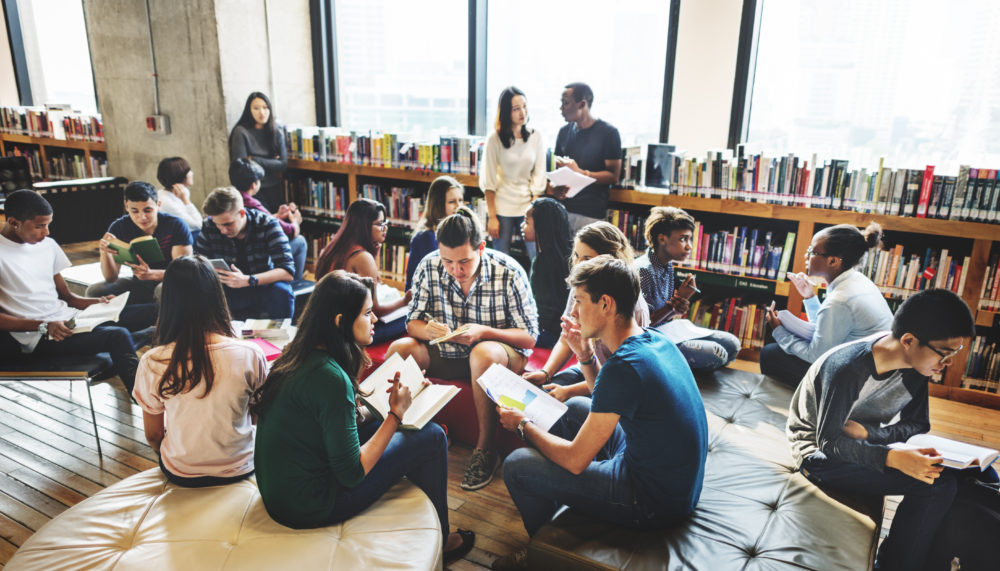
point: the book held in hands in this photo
(958, 455)
(508, 389)
(427, 399)
(129, 252)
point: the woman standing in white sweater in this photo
(513, 170)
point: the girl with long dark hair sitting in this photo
(197, 380)
(546, 224)
(315, 465)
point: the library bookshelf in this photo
(48, 147)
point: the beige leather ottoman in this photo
(146, 523)
(756, 511)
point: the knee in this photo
(516, 463)
(435, 436)
(578, 406)
(487, 353)
(98, 290)
(732, 345)
(405, 346)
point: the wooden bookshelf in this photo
(48, 145)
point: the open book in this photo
(128, 252)
(427, 399)
(98, 313)
(508, 389)
(956, 454)
(796, 326)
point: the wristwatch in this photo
(252, 279)
(520, 428)
(43, 328)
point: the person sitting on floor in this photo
(546, 225)
(245, 175)
(444, 197)
(197, 379)
(355, 248)
(315, 465)
(594, 239)
(36, 306)
(255, 249)
(669, 234)
(176, 176)
(862, 396)
(854, 306)
(143, 219)
(610, 457)
(487, 294)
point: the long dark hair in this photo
(555, 243)
(336, 293)
(192, 306)
(504, 124)
(356, 230)
(246, 119)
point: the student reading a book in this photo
(853, 308)
(315, 465)
(36, 306)
(253, 246)
(609, 457)
(444, 197)
(472, 307)
(245, 176)
(176, 176)
(513, 170)
(669, 234)
(197, 379)
(355, 248)
(843, 416)
(589, 146)
(258, 137)
(143, 219)
(595, 239)
(545, 224)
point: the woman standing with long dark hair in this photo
(315, 465)
(197, 379)
(258, 137)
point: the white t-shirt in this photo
(172, 204)
(28, 288)
(210, 436)
(514, 173)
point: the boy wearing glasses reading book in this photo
(840, 421)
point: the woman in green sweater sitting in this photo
(315, 465)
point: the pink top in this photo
(210, 436)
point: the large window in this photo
(911, 80)
(619, 50)
(403, 66)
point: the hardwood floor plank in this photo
(30, 496)
(47, 486)
(18, 511)
(7, 550)
(85, 459)
(49, 469)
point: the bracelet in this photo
(399, 419)
(548, 376)
(588, 361)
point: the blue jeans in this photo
(781, 366)
(603, 490)
(712, 352)
(421, 456)
(389, 331)
(298, 246)
(569, 376)
(510, 226)
(547, 339)
(917, 517)
(272, 301)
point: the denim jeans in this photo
(389, 331)
(272, 301)
(569, 376)
(112, 338)
(917, 517)
(298, 246)
(140, 291)
(510, 226)
(603, 490)
(421, 456)
(712, 352)
(783, 367)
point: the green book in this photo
(128, 253)
(786, 256)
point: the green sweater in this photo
(307, 445)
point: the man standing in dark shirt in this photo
(591, 147)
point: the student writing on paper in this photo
(669, 234)
(315, 465)
(853, 308)
(466, 284)
(197, 380)
(444, 197)
(36, 304)
(143, 218)
(841, 419)
(635, 455)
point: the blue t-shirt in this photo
(422, 243)
(649, 384)
(590, 148)
(170, 231)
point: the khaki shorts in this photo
(450, 369)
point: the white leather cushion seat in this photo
(146, 523)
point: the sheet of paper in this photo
(681, 330)
(508, 389)
(796, 326)
(565, 176)
(99, 313)
(393, 316)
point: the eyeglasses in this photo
(945, 356)
(383, 224)
(810, 253)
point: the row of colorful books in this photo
(34, 158)
(70, 166)
(451, 154)
(402, 205)
(982, 370)
(316, 196)
(51, 122)
(899, 274)
(744, 320)
(989, 294)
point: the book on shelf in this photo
(954, 454)
(51, 121)
(982, 370)
(145, 247)
(899, 274)
(317, 196)
(427, 399)
(744, 320)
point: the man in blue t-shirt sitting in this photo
(143, 218)
(635, 456)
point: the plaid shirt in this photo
(264, 248)
(656, 280)
(500, 297)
